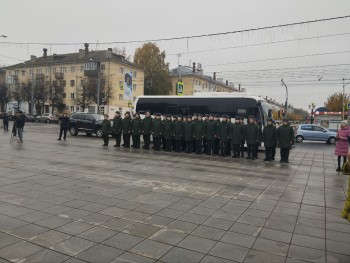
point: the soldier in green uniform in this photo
(199, 131)
(136, 130)
(106, 126)
(168, 132)
(117, 128)
(211, 133)
(229, 141)
(162, 137)
(270, 139)
(243, 138)
(156, 130)
(236, 135)
(223, 135)
(285, 137)
(258, 123)
(252, 137)
(189, 134)
(178, 133)
(217, 140)
(146, 129)
(126, 129)
(194, 121)
(183, 140)
(205, 141)
(173, 144)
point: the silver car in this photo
(313, 132)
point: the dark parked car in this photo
(85, 122)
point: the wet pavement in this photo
(77, 201)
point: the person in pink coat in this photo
(342, 146)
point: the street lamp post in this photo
(286, 104)
(312, 107)
(344, 84)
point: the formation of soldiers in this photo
(201, 134)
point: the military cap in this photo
(270, 119)
(147, 111)
(200, 115)
(106, 115)
(285, 120)
(128, 112)
(189, 116)
(117, 112)
(224, 116)
(195, 114)
(251, 117)
(206, 115)
(217, 116)
(175, 116)
(168, 116)
(237, 118)
(211, 115)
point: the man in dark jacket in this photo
(117, 128)
(105, 128)
(178, 133)
(243, 139)
(156, 130)
(251, 137)
(285, 137)
(217, 140)
(126, 129)
(64, 121)
(236, 135)
(20, 122)
(5, 120)
(270, 139)
(211, 132)
(146, 129)
(223, 135)
(136, 130)
(189, 134)
(168, 132)
(199, 130)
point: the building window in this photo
(64, 95)
(47, 83)
(103, 66)
(72, 83)
(71, 108)
(196, 82)
(81, 82)
(53, 70)
(133, 98)
(72, 69)
(120, 96)
(200, 83)
(122, 70)
(63, 70)
(23, 73)
(72, 95)
(121, 85)
(47, 70)
(102, 110)
(39, 71)
(64, 83)
(16, 72)
(134, 87)
(135, 74)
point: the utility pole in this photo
(98, 85)
(286, 104)
(344, 84)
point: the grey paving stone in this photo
(338, 227)
(338, 247)
(158, 221)
(128, 257)
(100, 253)
(251, 220)
(271, 246)
(218, 223)
(276, 235)
(118, 224)
(135, 216)
(75, 214)
(212, 259)
(28, 231)
(181, 226)
(337, 258)
(307, 241)
(150, 209)
(279, 225)
(338, 236)
(170, 237)
(74, 228)
(142, 230)
(198, 244)
(171, 213)
(310, 231)
(19, 251)
(45, 256)
(9, 223)
(262, 257)
(238, 239)
(208, 232)
(73, 246)
(246, 229)
(97, 234)
(7, 240)
(74, 260)
(53, 222)
(123, 241)
(180, 255)
(49, 238)
(151, 249)
(307, 254)
(34, 217)
(96, 218)
(230, 252)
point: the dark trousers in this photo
(117, 138)
(284, 154)
(236, 150)
(163, 143)
(268, 153)
(216, 146)
(194, 145)
(157, 142)
(105, 138)
(136, 141)
(146, 140)
(242, 148)
(178, 146)
(198, 146)
(189, 146)
(256, 150)
(126, 140)
(183, 145)
(168, 145)
(205, 145)
(64, 131)
(6, 126)
(273, 153)
(211, 147)
(223, 148)
(251, 148)
(229, 148)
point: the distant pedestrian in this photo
(126, 129)
(117, 128)
(64, 121)
(106, 127)
(136, 131)
(236, 135)
(157, 127)
(346, 170)
(285, 137)
(223, 135)
(342, 146)
(5, 120)
(252, 137)
(20, 122)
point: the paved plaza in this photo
(77, 201)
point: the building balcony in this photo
(59, 75)
(39, 76)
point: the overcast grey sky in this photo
(301, 62)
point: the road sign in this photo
(348, 105)
(180, 88)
